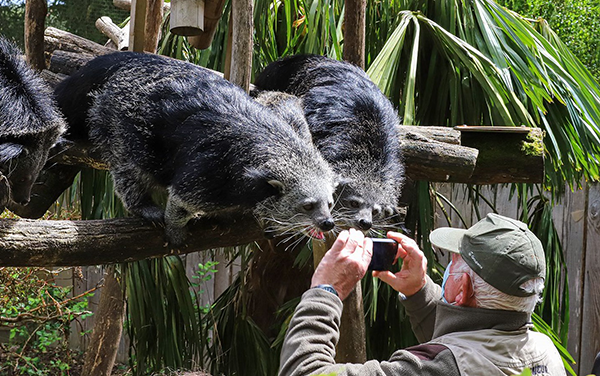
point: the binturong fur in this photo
(30, 124)
(354, 127)
(163, 124)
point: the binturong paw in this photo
(153, 214)
(176, 236)
(4, 191)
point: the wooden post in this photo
(354, 32)
(101, 353)
(137, 27)
(154, 17)
(35, 17)
(352, 347)
(242, 27)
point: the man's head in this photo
(497, 251)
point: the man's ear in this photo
(466, 295)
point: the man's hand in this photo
(411, 278)
(345, 263)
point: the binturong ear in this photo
(9, 150)
(277, 185)
(263, 179)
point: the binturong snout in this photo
(21, 196)
(327, 224)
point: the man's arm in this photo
(412, 281)
(421, 308)
(309, 346)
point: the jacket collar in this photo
(451, 318)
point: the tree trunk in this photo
(35, 18)
(354, 32)
(101, 353)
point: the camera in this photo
(384, 253)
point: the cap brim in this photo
(447, 238)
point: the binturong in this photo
(30, 125)
(167, 125)
(354, 126)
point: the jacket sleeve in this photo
(421, 309)
(309, 346)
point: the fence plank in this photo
(569, 220)
(590, 315)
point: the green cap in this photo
(501, 250)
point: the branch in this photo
(25, 242)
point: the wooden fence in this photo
(577, 219)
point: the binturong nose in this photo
(327, 224)
(364, 224)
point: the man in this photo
(482, 326)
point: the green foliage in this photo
(38, 315)
(492, 67)
(12, 15)
(575, 21)
(162, 318)
(76, 16)
(237, 346)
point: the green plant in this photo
(38, 314)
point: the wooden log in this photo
(442, 134)
(35, 18)
(506, 154)
(25, 242)
(52, 78)
(120, 37)
(56, 39)
(431, 160)
(66, 62)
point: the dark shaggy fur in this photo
(30, 125)
(354, 127)
(165, 124)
